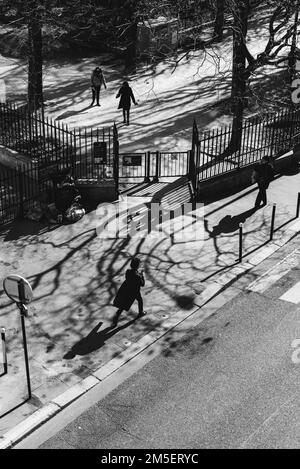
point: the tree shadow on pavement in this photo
(24, 228)
(292, 170)
(95, 340)
(185, 302)
(72, 113)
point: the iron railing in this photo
(226, 149)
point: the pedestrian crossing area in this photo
(292, 295)
(283, 280)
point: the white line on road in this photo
(293, 295)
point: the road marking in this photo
(281, 269)
(292, 295)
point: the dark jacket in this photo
(129, 290)
(263, 174)
(97, 80)
(126, 95)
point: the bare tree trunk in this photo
(239, 76)
(219, 21)
(35, 57)
(131, 51)
(292, 55)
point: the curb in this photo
(213, 289)
(24, 428)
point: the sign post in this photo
(19, 290)
(4, 355)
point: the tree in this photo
(292, 54)
(281, 28)
(239, 81)
(30, 13)
(219, 20)
(35, 54)
(130, 33)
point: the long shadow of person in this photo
(71, 113)
(229, 224)
(95, 340)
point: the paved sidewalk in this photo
(75, 276)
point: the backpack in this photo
(74, 213)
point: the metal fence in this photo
(52, 145)
(220, 151)
(19, 188)
(153, 165)
(94, 153)
(49, 146)
(33, 135)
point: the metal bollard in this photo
(4, 354)
(298, 206)
(241, 242)
(273, 222)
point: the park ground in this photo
(170, 94)
(231, 382)
(75, 275)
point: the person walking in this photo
(126, 96)
(97, 80)
(130, 291)
(263, 174)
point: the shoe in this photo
(140, 315)
(98, 104)
(114, 324)
(92, 104)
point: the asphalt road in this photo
(232, 382)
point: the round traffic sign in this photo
(18, 289)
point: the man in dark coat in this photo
(130, 291)
(126, 96)
(263, 174)
(97, 80)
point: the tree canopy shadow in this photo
(23, 228)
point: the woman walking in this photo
(130, 291)
(263, 175)
(97, 80)
(126, 96)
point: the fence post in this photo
(4, 354)
(29, 125)
(116, 159)
(71, 140)
(157, 168)
(298, 206)
(273, 222)
(21, 191)
(192, 153)
(273, 148)
(192, 169)
(147, 166)
(241, 243)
